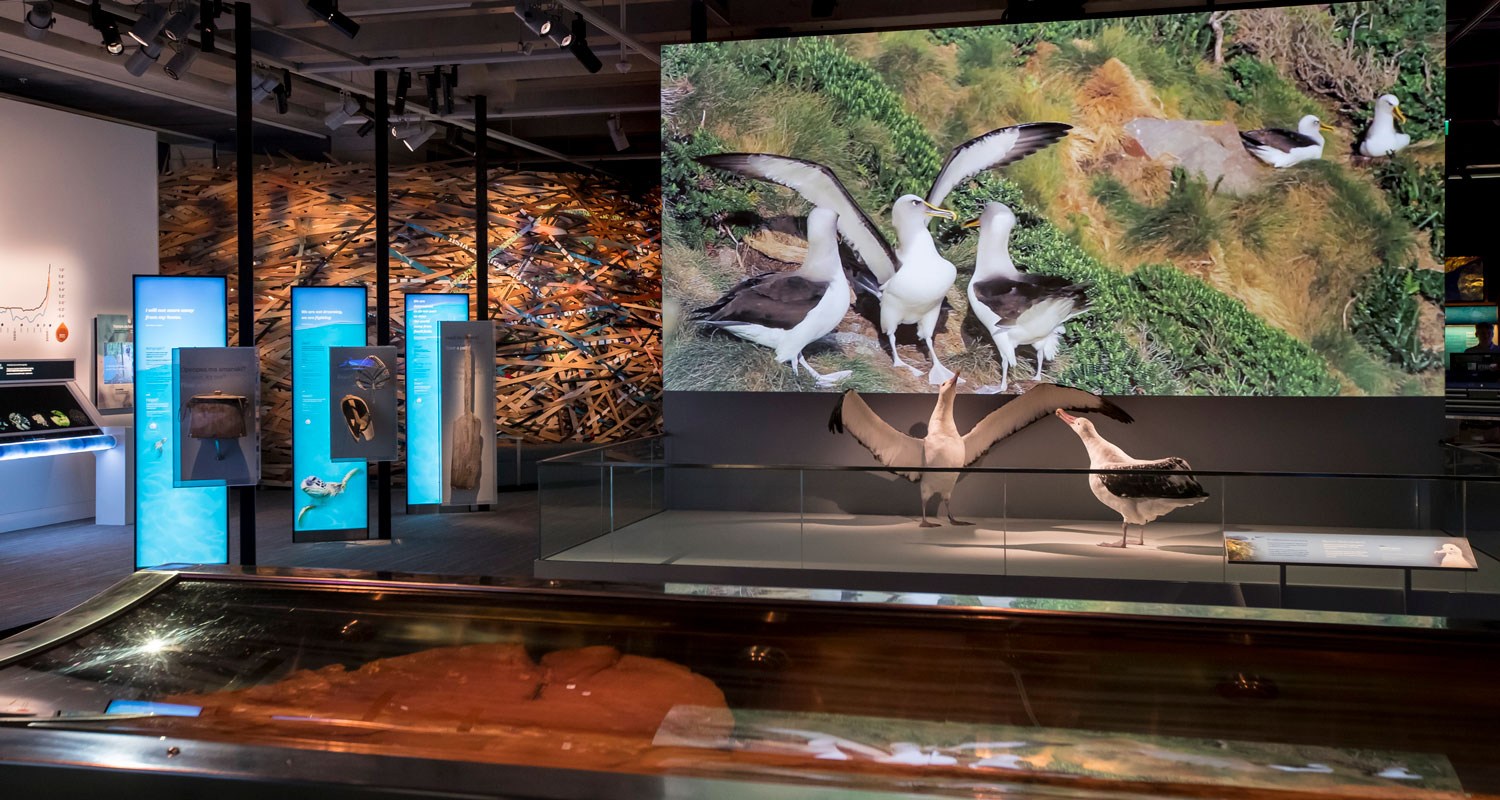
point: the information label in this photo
(424, 396)
(173, 525)
(330, 496)
(1349, 550)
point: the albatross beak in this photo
(1065, 416)
(1323, 126)
(1400, 116)
(973, 223)
(934, 211)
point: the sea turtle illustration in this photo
(318, 490)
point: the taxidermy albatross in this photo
(1138, 498)
(943, 446)
(1280, 147)
(1014, 307)
(787, 311)
(913, 277)
(1382, 139)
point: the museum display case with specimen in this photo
(305, 682)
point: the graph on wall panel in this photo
(33, 304)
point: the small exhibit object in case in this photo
(218, 436)
(363, 425)
(468, 378)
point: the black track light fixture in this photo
(108, 28)
(149, 26)
(283, 92)
(178, 65)
(450, 83)
(208, 24)
(536, 20)
(328, 11)
(39, 19)
(434, 81)
(180, 22)
(403, 85)
(579, 46)
(364, 130)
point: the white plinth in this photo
(114, 479)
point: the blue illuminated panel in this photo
(424, 398)
(159, 709)
(10, 451)
(329, 495)
(173, 525)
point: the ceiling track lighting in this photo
(150, 24)
(414, 134)
(403, 85)
(108, 28)
(450, 83)
(537, 21)
(208, 24)
(348, 108)
(180, 23)
(328, 11)
(142, 59)
(178, 65)
(616, 133)
(434, 81)
(39, 19)
(283, 92)
(579, 46)
(364, 130)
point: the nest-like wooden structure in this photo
(574, 281)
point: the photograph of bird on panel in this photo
(1229, 203)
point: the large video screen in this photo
(1238, 203)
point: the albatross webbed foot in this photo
(952, 521)
(1111, 544)
(927, 524)
(991, 389)
(833, 378)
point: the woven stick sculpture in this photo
(574, 283)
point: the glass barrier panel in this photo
(572, 501)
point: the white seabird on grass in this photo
(913, 279)
(1382, 139)
(943, 446)
(1280, 147)
(1014, 307)
(787, 311)
(1138, 498)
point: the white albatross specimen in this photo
(1017, 308)
(787, 311)
(1139, 498)
(943, 446)
(1382, 139)
(913, 278)
(1280, 147)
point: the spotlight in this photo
(283, 92)
(434, 80)
(450, 82)
(617, 135)
(414, 134)
(535, 21)
(579, 46)
(328, 11)
(178, 65)
(208, 24)
(39, 20)
(559, 33)
(142, 59)
(178, 24)
(403, 85)
(109, 30)
(348, 107)
(262, 84)
(527, 48)
(149, 26)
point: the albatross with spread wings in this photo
(943, 446)
(913, 277)
(787, 311)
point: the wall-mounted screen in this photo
(1247, 202)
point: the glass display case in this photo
(307, 683)
(1360, 542)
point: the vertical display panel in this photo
(173, 525)
(424, 395)
(468, 376)
(330, 497)
(114, 363)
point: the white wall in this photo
(79, 194)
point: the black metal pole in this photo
(382, 274)
(481, 208)
(244, 176)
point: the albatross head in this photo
(949, 387)
(995, 217)
(1080, 425)
(911, 213)
(1311, 127)
(1449, 549)
(1388, 104)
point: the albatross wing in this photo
(1277, 138)
(994, 149)
(889, 446)
(1164, 486)
(1043, 399)
(1009, 298)
(773, 299)
(818, 185)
